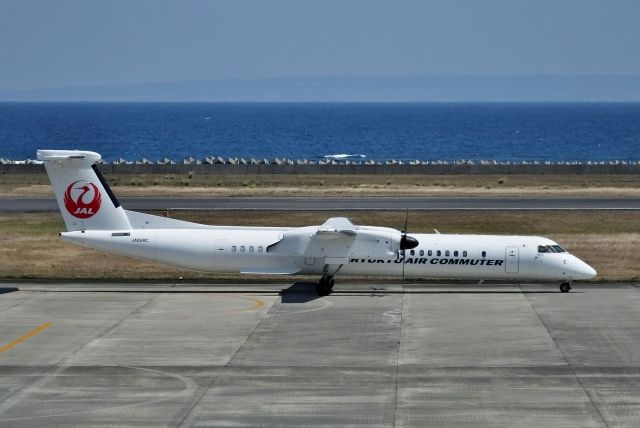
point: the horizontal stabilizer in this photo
(65, 155)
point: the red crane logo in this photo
(76, 202)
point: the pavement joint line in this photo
(37, 292)
(61, 365)
(185, 420)
(25, 337)
(397, 374)
(189, 383)
(575, 375)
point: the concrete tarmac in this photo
(9, 204)
(373, 355)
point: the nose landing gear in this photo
(565, 287)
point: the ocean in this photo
(355, 131)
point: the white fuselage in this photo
(245, 250)
(94, 217)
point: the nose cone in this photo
(583, 270)
(407, 242)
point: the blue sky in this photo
(52, 43)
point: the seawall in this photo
(287, 166)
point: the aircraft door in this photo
(512, 261)
(220, 252)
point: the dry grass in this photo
(31, 185)
(608, 241)
(614, 256)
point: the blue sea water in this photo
(361, 131)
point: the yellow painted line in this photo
(27, 336)
(258, 304)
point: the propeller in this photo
(406, 242)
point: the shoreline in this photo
(220, 166)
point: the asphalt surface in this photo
(371, 355)
(341, 204)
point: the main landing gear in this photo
(565, 287)
(324, 287)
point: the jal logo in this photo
(82, 199)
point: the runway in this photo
(373, 355)
(341, 204)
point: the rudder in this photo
(84, 197)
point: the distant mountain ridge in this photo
(354, 89)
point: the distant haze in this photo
(256, 50)
(357, 89)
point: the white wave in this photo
(344, 156)
(24, 162)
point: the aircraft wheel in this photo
(565, 287)
(323, 287)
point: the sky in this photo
(57, 43)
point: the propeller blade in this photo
(406, 222)
(403, 241)
(406, 242)
(403, 263)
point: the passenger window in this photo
(242, 248)
(484, 254)
(430, 253)
(260, 248)
(413, 253)
(251, 249)
(455, 254)
(464, 254)
(438, 253)
(421, 252)
(234, 248)
(446, 253)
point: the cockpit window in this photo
(551, 249)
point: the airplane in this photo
(94, 218)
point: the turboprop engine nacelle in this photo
(330, 242)
(376, 243)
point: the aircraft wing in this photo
(336, 241)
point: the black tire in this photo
(565, 287)
(323, 288)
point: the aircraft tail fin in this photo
(84, 197)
